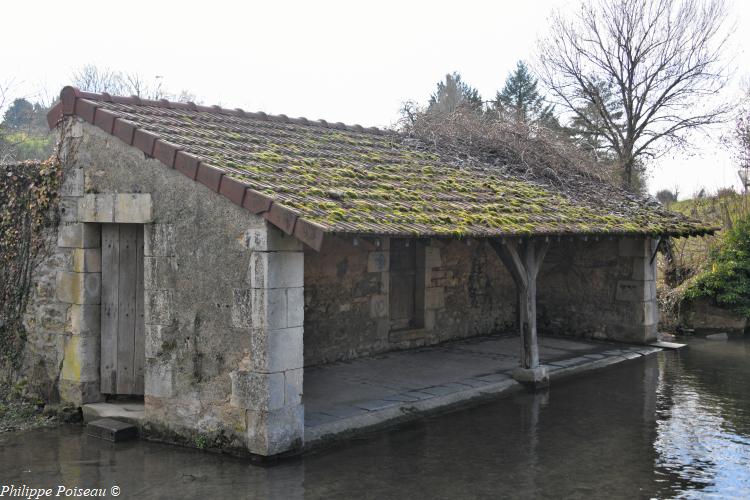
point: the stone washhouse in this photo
(206, 257)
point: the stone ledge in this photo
(322, 427)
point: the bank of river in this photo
(666, 425)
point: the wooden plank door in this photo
(403, 267)
(123, 329)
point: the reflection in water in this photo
(702, 442)
(675, 424)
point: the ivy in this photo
(29, 195)
(726, 278)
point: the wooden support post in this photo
(523, 261)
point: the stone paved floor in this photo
(356, 390)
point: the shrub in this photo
(726, 279)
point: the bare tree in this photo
(663, 58)
(739, 139)
(92, 78)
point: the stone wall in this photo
(468, 292)
(599, 289)
(45, 322)
(702, 316)
(222, 296)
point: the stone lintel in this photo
(124, 208)
(97, 208)
(135, 208)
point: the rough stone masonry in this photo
(234, 310)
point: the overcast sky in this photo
(347, 61)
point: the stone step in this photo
(668, 345)
(131, 412)
(111, 430)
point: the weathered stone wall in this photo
(600, 289)
(223, 301)
(468, 292)
(45, 322)
(53, 310)
(705, 317)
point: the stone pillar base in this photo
(274, 432)
(79, 393)
(534, 378)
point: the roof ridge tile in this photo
(73, 92)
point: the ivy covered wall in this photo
(29, 193)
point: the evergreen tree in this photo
(454, 94)
(520, 99)
(19, 114)
(587, 126)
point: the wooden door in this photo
(403, 284)
(122, 347)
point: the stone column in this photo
(268, 382)
(79, 286)
(159, 272)
(636, 296)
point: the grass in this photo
(20, 413)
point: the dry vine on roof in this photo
(517, 148)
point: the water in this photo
(676, 424)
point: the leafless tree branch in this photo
(664, 58)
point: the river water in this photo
(674, 424)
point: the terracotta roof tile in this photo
(314, 177)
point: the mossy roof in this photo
(365, 181)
